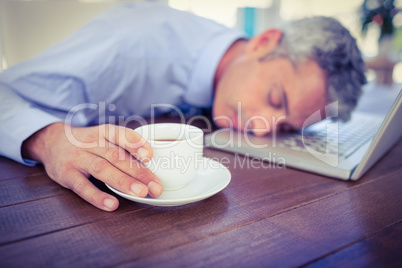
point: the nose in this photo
(259, 126)
(262, 125)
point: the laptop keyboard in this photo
(340, 139)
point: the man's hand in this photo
(112, 154)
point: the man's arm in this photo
(18, 120)
(71, 155)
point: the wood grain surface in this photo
(268, 216)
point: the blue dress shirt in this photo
(119, 64)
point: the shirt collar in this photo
(200, 88)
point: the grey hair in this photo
(332, 47)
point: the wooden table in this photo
(267, 216)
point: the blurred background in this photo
(28, 27)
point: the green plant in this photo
(380, 12)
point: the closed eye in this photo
(275, 97)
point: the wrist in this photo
(34, 147)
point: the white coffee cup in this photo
(177, 152)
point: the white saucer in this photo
(212, 177)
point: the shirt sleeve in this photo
(17, 124)
(43, 89)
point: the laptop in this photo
(331, 148)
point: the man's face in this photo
(265, 96)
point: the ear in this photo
(263, 43)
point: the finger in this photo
(103, 170)
(77, 182)
(128, 139)
(124, 163)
